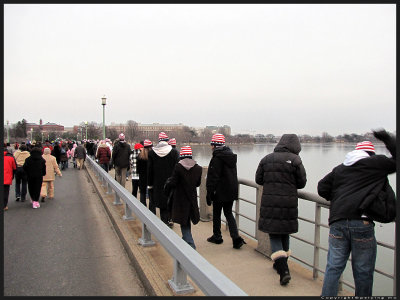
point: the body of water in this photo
(318, 160)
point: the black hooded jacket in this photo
(281, 173)
(347, 186)
(222, 182)
(35, 164)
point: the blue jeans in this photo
(279, 242)
(357, 237)
(187, 235)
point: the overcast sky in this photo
(259, 68)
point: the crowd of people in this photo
(169, 178)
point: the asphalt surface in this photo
(67, 247)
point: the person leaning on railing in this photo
(346, 187)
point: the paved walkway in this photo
(68, 247)
(249, 269)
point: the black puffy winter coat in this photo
(281, 173)
(184, 180)
(35, 164)
(347, 186)
(222, 182)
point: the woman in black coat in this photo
(281, 173)
(35, 169)
(185, 178)
(142, 171)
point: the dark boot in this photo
(283, 270)
(274, 265)
(238, 242)
(215, 240)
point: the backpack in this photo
(380, 207)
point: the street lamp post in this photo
(86, 129)
(42, 136)
(8, 131)
(31, 134)
(103, 102)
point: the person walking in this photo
(281, 173)
(80, 156)
(161, 163)
(64, 157)
(185, 178)
(142, 160)
(120, 159)
(48, 180)
(21, 179)
(133, 162)
(10, 166)
(35, 168)
(103, 154)
(56, 152)
(222, 189)
(360, 176)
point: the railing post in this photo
(263, 245)
(317, 239)
(128, 213)
(109, 189)
(237, 208)
(205, 210)
(117, 200)
(146, 240)
(179, 283)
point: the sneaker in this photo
(18, 198)
(34, 204)
(213, 239)
(37, 204)
(238, 242)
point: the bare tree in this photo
(132, 130)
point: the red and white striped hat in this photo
(186, 151)
(172, 142)
(218, 139)
(147, 143)
(122, 136)
(162, 137)
(366, 146)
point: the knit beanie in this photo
(163, 137)
(122, 136)
(138, 146)
(218, 140)
(186, 152)
(147, 143)
(366, 146)
(172, 142)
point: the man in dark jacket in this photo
(161, 162)
(281, 173)
(80, 155)
(222, 189)
(35, 169)
(360, 175)
(120, 159)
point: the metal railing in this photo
(319, 204)
(187, 261)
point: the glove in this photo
(381, 134)
(208, 199)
